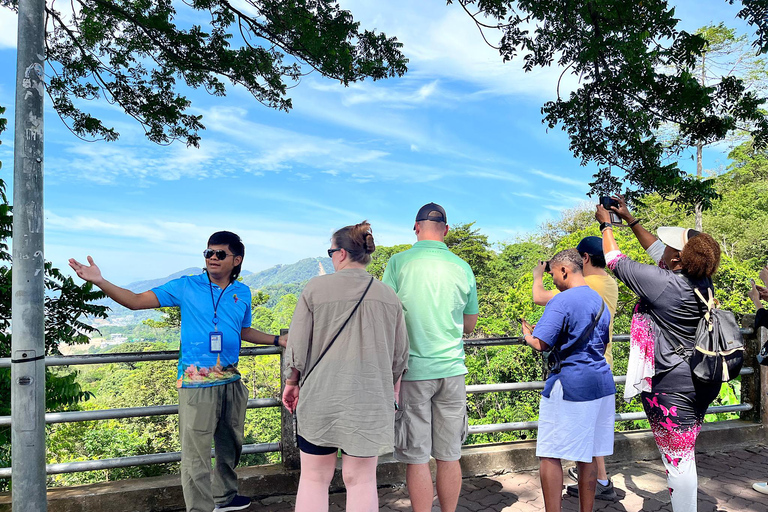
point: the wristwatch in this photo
(605, 225)
(276, 341)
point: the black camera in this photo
(609, 202)
(547, 268)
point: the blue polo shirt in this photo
(584, 373)
(198, 365)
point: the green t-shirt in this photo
(437, 288)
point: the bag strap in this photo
(306, 375)
(710, 304)
(587, 332)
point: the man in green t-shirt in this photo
(439, 296)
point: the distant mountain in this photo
(142, 286)
(298, 272)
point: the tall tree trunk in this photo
(699, 152)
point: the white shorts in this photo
(575, 431)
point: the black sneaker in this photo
(602, 492)
(573, 473)
(237, 503)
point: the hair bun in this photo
(370, 246)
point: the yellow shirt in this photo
(606, 287)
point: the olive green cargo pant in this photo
(214, 413)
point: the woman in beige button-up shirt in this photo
(348, 400)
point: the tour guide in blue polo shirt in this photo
(577, 409)
(215, 316)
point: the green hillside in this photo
(298, 272)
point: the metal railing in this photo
(287, 445)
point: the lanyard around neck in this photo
(215, 304)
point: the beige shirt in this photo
(348, 400)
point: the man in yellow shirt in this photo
(591, 251)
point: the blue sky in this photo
(460, 128)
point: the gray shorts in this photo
(432, 420)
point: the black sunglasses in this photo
(331, 251)
(221, 254)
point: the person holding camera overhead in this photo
(577, 408)
(347, 349)
(663, 329)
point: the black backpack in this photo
(718, 351)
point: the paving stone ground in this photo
(725, 485)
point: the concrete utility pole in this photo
(28, 317)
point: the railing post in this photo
(751, 385)
(288, 448)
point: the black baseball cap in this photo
(431, 211)
(590, 245)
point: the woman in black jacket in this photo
(662, 333)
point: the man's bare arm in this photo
(540, 294)
(645, 237)
(133, 301)
(469, 323)
(252, 335)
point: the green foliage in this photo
(381, 256)
(633, 67)
(171, 319)
(106, 439)
(470, 245)
(133, 53)
(259, 299)
(276, 292)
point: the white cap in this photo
(675, 237)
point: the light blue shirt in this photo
(196, 296)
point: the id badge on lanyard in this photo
(215, 337)
(217, 340)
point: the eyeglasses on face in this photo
(331, 251)
(221, 254)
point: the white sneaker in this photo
(761, 487)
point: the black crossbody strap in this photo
(588, 332)
(306, 375)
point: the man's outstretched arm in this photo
(134, 301)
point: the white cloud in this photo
(9, 21)
(497, 175)
(144, 163)
(560, 179)
(442, 41)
